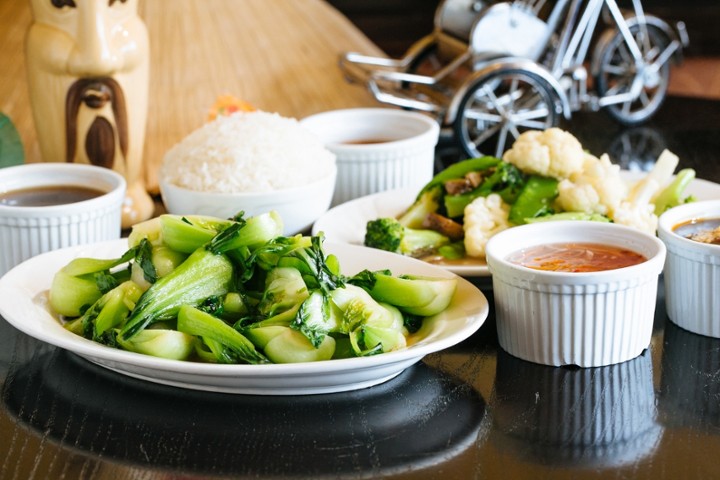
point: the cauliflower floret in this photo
(638, 209)
(597, 188)
(551, 153)
(640, 216)
(483, 218)
(578, 198)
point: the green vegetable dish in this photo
(206, 289)
(545, 176)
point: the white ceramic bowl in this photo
(299, 207)
(587, 319)
(692, 271)
(402, 152)
(28, 231)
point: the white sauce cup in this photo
(377, 149)
(587, 319)
(692, 271)
(26, 231)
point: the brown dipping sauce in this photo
(48, 196)
(576, 257)
(701, 230)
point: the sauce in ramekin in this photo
(701, 230)
(47, 196)
(576, 257)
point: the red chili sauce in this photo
(576, 257)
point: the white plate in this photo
(346, 222)
(23, 303)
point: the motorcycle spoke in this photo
(502, 138)
(644, 98)
(494, 100)
(619, 87)
(626, 108)
(625, 56)
(533, 125)
(652, 54)
(539, 111)
(615, 69)
(481, 115)
(486, 135)
(514, 93)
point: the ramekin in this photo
(404, 156)
(692, 271)
(28, 231)
(588, 319)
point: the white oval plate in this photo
(345, 223)
(23, 303)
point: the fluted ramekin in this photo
(377, 149)
(588, 319)
(692, 271)
(28, 231)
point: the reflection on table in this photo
(690, 381)
(589, 417)
(421, 418)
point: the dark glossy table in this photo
(471, 411)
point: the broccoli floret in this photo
(390, 235)
(384, 234)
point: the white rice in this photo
(247, 152)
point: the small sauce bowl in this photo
(587, 319)
(692, 270)
(377, 149)
(26, 231)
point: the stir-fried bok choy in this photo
(236, 290)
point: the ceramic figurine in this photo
(88, 73)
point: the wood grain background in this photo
(279, 55)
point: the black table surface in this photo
(471, 411)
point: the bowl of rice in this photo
(252, 162)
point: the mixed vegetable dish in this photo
(545, 176)
(235, 290)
